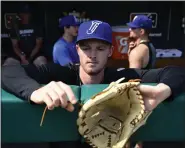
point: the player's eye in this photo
(85, 48)
(101, 49)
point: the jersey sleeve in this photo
(23, 80)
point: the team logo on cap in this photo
(93, 27)
(135, 18)
(76, 20)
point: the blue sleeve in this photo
(61, 55)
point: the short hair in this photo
(147, 31)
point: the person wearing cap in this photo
(141, 53)
(64, 50)
(27, 40)
(94, 47)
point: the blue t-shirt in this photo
(65, 53)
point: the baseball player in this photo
(27, 40)
(64, 50)
(142, 53)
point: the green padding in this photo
(87, 91)
(21, 121)
(166, 123)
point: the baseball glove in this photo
(110, 117)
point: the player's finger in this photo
(69, 107)
(63, 98)
(131, 43)
(48, 102)
(69, 92)
(61, 93)
(54, 97)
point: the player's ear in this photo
(111, 51)
(142, 31)
(77, 47)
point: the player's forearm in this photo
(18, 51)
(37, 48)
(162, 92)
(35, 51)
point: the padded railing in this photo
(21, 121)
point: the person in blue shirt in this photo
(64, 50)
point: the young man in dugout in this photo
(27, 40)
(64, 49)
(141, 53)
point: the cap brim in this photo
(76, 24)
(132, 25)
(93, 37)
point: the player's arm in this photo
(16, 48)
(170, 83)
(14, 40)
(137, 55)
(22, 81)
(37, 48)
(170, 78)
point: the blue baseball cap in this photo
(69, 20)
(141, 21)
(95, 29)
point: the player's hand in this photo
(54, 95)
(24, 60)
(132, 45)
(154, 95)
